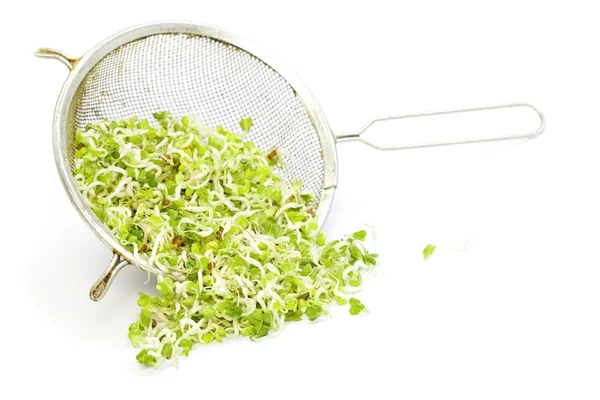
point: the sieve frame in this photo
(79, 68)
(327, 139)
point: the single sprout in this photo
(246, 124)
(234, 243)
(356, 306)
(428, 251)
(360, 235)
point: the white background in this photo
(509, 305)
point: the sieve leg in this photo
(99, 288)
(358, 135)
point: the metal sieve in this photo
(188, 68)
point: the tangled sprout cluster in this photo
(235, 245)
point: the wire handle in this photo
(358, 134)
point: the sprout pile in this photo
(234, 242)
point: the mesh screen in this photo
(189, 74)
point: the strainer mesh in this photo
(220, 83)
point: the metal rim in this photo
(93, 56)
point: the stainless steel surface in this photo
(358, 135)
(45, 52)
(99, 288)
(188, 68)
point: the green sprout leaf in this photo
(360, 235)
(428, 251)
(165, 286)
(356, 307)
(246, 124)
(146, 359)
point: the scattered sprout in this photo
(356, 306)
(360, 235)
(428, 251)
(235, 245)
(246, 124)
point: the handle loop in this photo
(358, 135)
(45, 52)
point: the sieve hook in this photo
(99, 288)
(45, 52)
(358, 134)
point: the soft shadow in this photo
(60, 273)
